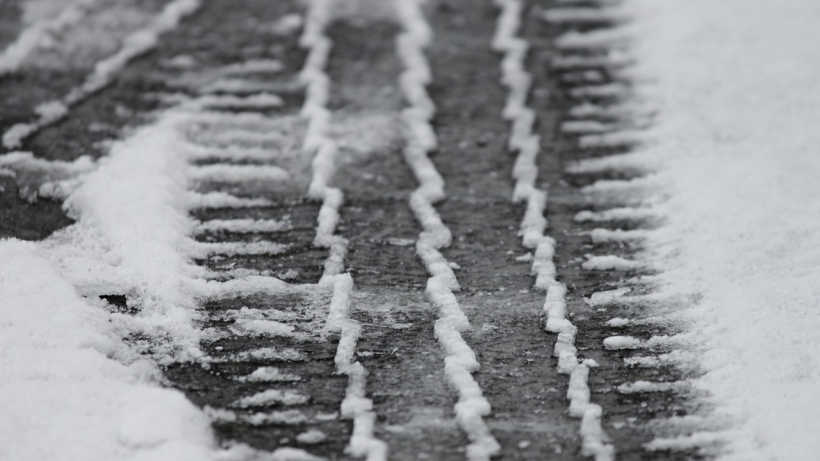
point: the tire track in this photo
(355, 404)
(517, 79)
(608, 199)
(398, 347)
(135, 44)
(12, 56)
(273, 375)
(461, 361)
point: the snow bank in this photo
(66, 393)
(738, 85)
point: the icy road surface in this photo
(409, 229)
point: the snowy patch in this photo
(271, 397)
(71, 388)
(603, 298)
(737, 142)
(610, 262)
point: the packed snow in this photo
(70, 380)
(527, 144)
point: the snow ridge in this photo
(136, 44)
(355, 404)
(317, 141)
(518, 81)
(461, 361)
(523, 140)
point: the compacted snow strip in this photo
(523, 140)
(737, 140)
(355, 405)
(461, 361)
(525, 172)
(317, 142)
(223, 200)
(31, 38)
(244, 225)
(138, 43)
(238, 173)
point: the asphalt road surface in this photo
(407, 383)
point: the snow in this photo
(621, 342)
(71, 388)
(135, 44)
(617, 214)
(39, 32)
(460, 361)
(255, 66)
(737, 86)
(617, 235)
(259, 327)
(268, 354)
(585, 15)
(292, 417)
(610, 262)
(311, 436)
(205, 249)
(268, 375)
(223, 200)
(687, 442)
(256, 101)
(523, 141)
(595, 39)
(618, 322)
(318, 142)
(238, 173)
(585, 127)
(271, 397)
(634, 161)
(604, 298)
(244, 225)
(647, 386)
(40, 178)
(132, 237)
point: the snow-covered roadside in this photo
(65, 381)
(737, 85)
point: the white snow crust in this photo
(737, 84)
(71, 389)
